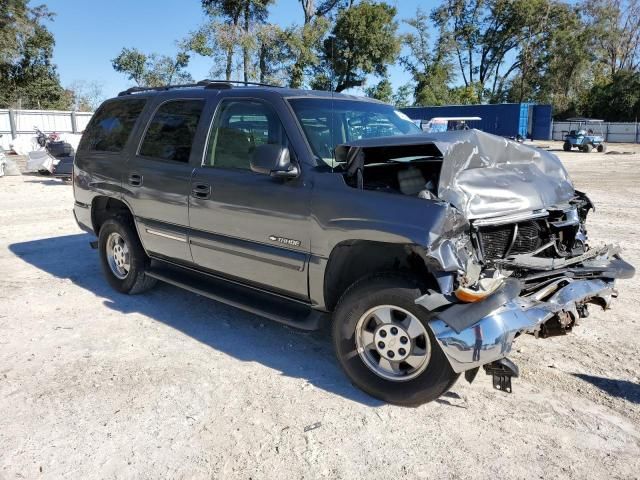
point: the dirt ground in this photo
(94, 384)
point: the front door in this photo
(247, 225)
(158, 178)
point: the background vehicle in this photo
(583, 136)
(306, 206)
(445, 124)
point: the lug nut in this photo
(383, 333)
(402, 351)
(390, 354)
(404, 340)
(394, 331)
(381, 344)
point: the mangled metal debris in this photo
(508, 246)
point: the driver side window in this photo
(238, 128)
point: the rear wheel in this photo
(602, 148)
(384, 344)
(588, 147)
(566, 147)
(122, 257)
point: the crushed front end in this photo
(531, 273)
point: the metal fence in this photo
(21, 123)
(614, 132)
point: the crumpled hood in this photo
(485, 175)
(482, 175)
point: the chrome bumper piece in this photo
(491, 337)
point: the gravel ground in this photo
(94, 384)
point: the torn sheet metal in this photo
(485, 175)
(482, 175)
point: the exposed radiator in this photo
(498, 241)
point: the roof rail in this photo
(208, 84)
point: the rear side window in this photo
(171, 130)
(111, 125)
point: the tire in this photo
(127, 274)
(423, 384)
(566, 147)
(602, 148)
(587, 148)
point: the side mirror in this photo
(273, 160)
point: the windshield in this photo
(331, 122)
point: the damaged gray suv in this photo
(430, 253)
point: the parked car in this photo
(429, 253)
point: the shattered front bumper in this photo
(475, 334)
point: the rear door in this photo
(157, 181)
(246, 225)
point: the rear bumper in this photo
(491, 337)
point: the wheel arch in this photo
(104, 207)
(351, 260)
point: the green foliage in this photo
(363, 41)
(28, 77)
(432, 72)
(152, 70)
(617, 99)
(382, 91)
(403, 96)
(302, 45)
(233, 24)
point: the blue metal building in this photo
(505, 119)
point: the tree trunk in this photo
(229, 63)
(308, 7)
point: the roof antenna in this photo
(332, 119)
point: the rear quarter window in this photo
(172, 129)
(111, 126)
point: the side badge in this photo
(286, 241)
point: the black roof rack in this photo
(208, 84)
(238, 82)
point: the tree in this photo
(152, 70)
(302, 45)
(616, 100)
(86, 96)
(28, 77)
(383, 91)
(238, 16)
(557, 64)
(615, 25)
(402, 97)
(431, 72)
(486, 36)
(313, 10)
(363, 41)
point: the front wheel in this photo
(123, 259)
(587, 148)
(385, 346)
(566, 147)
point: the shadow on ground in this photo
(616, 388)
(244, 336)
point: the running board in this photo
(291, 313)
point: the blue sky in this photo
(89, 34)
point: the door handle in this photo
(201, 190)
(135, 180)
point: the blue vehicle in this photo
(583, 137)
